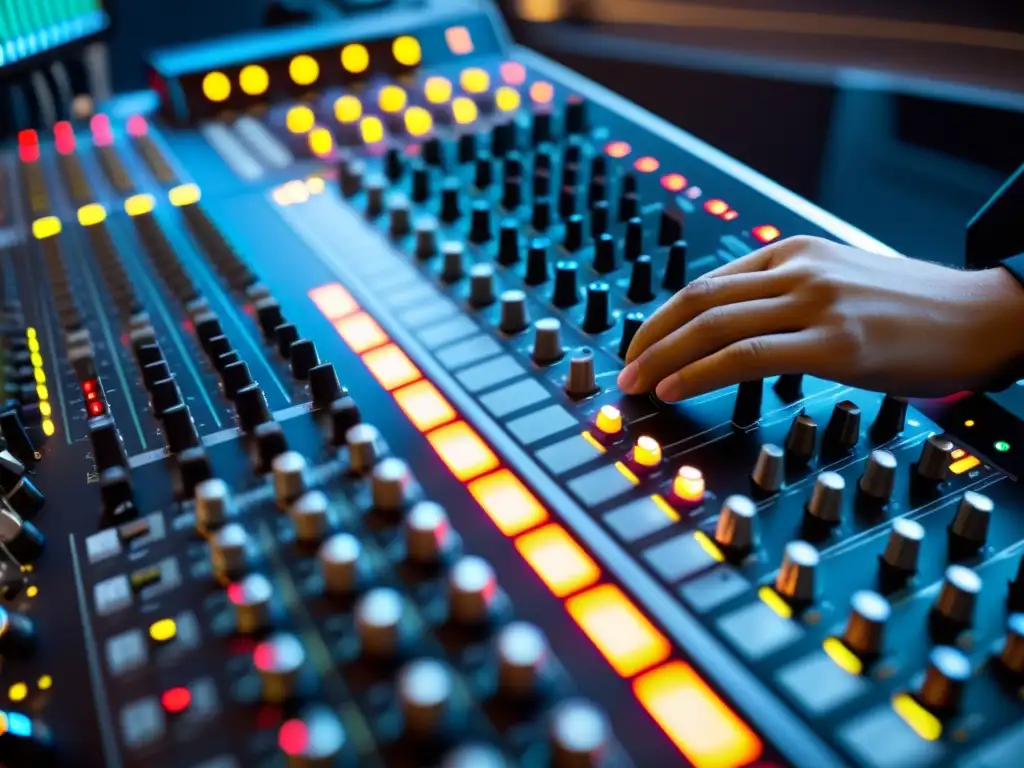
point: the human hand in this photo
(808, 305)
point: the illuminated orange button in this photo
(766, 233)
(508, 502)
(559, 561)
(609, 420)
(701, 725)
(542, 92)
(462, 450)
(673, 182)
(621, 633)
(390, 367)
(689, 484)
(646, 164)
(647, 452)
(617, 149)
(716, 207)
(425, 407)
(360, 332)
(965, 464)
(333, 301)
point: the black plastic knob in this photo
(179, 429)
(483, 175)
(148, 353)
(193, 468)
(251, 407)
(217, 346)
(480, 227)
(155, 372)
(566, 202)
(630, 325)
(164, 394)
(467, 148)
(268, 313)
(394, 164)
(512, 193)
(670, 226)
(225, 360)
(541, 217)
(508, 242)
(450, 200)
(234, 377)
(891, 419)
(629, 206)
(17, 635)
(270, 443)
(843, 430)
(565, 293)
(22, 539)
(537, 262)
(597, 192)
(599, 219)
(634, 238)
(207, 325)
(323, 384)
(640, 281)
(596, 314)
(18, 441)
(575, 114)
(512, 166)
(675, 267)
(285, 335)
(604, 254)
(107, 447)
(117, 495)
(789, 386)
(542, 128)
(503, 138)
(541, 182)
(570, 172)
(747, 408)
(573, 233)
(420, 183)
(801, 439)
(344, 415)
(433, 152)
(303, 357)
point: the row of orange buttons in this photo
(697, 721)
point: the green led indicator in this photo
(1002, 446)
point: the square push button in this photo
(678, 557)
(757, 631)
(718, 586)
(468, 352)
(599, 486)
(637, 519)
(451, 330)
(540, 424)
(488, 374)
(818, 685)
(514, 397)
(903, 747)
(567, 454)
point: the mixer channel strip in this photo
(151, 154)
(114, 169)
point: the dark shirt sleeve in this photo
(1016, 266)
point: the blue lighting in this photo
(50, 24)
(19, 725)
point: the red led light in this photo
(64, 137)
(716, 207)
(90, 395)
(673, 182)
(28, 138)
(646, 164)
(28, 153)
(617, 149)
(730, 215)
(176, 700)
(89, 385)
(137, 125)
(513, 73)
(102, 136)
(236, 594)
(542, 92)
(293, 737)
(96, 408)
(766, 233)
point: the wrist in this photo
(998, 310)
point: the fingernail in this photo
(629, 377)
(669, 390)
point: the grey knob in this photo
(229, 550)
(826, 502)
(323, 743)
(579, 733)
(309, 516)
(904, 545)
(737, 528)
(392, 482)
(936, 457)
(481, 285)
(972, 518)
(213, 503)
(278, 659)
(426, 237)
(958, 596)
(513, 312)
(375, 185)
(865, 626)
(251, 600)
(339, 558)
(801, 439)
(581, 381)
(289, 476)
(424, 695)
(879, 476)
(474, 756)
(522, 652)
(364, 446)
(1012, 656)
(769, 469)
(378, 622)
(796, 578)
(428, 533)
(547, 341)
(472, 590)
(453, 254)
(398, 211)
(944, 680)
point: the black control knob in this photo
(269, 316)
(541, 131)
(426, 237)
(344, 415)
(511, 192)
(234, 377)
(640, 291)
(481, 285)
(22, 539)
(573, 233)
(670, 226)
(394, 164)
(630, 325)
(251, 407)
(163, 395)
(596, 317)
(512, 166)
(480, 228)
(450, 212)
(18, 441)
(467, 148)
(865, 626)
(566, 202)
(433, 152)
(220, 345)
(801, 439)
(17, 635)
(634, 238)
(117, 495)
(1015, 595)
(789, 386)
(604, 254)
(575, 115)
(194, 467)
(453, 264)
(936, 458)
(483, 174)
(420, 183)
(107, 447)
(207, 326)
(376, 185)
(514, 316)
(508, 242)
(503, 138)
(323, 384)
(598, 214)
(566, 293)
(179, 428)
(285, 335)
(540, 220)
(351, 176)
(843, 430)
(879, 476)
(737, 530)
(148, 353)
(547, 341)
(944, 679)
(891, 419)
(303, 357)
(675, 267)
(537, 262)
(399, 215)
(747, 408)
(629, 206)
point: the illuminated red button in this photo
(176, 700)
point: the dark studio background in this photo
(903, 123)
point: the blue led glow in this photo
(20, 40)
(19, 725)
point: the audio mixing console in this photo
(314, 453)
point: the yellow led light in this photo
(507, 99)
(665, 507)
(17, 692)
(708, 545)
(136, 205)
(372, 130)
(36, 360)
(969, 423)
(32, 591)
(593, 442)
(844, 658)
(40, 375)
(689, 484)
(48, 427)
(30, 332)
(627, 473)
(42, 392)
(355, 58)
(474, 80)
(561, 563)
(418, 121)
(315, 185)
(965, 464)
(45, 409)
(348, 109)
(462, 450)
(33, 344)
(45, 683)
(609, 420)
(509, 504)
(320, 142)
(424, 406)
(392, 99)
(361, 332)
(772, 599)
(647, 452)
(163, 630)
(48, 226)
(464, 110)
(300, 119)
(91, 214)
(216, 86)
(303, 69)
(184, 194)
(253, 80)
(437, 89)
(333, 300)
(920, 720)
(407, 50)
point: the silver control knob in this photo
(251, 600)
(737, 528)
(936, 457)
(904, 545)
(324, 742)
(959, 593)
(378, 622)
(579, 733)
(364, 446)
(481, 285)
(944, 680)
(309, 516)
(522, 653)
(514, 316)
(339, 558)
(796, 578)
(213, 504)
(1012, 656)
(229, 549)
(826, 502)
(278, 659)
(424, 695)
(428, 533)
(547, 341)
(289, 476)
(452, 267)
(392, 482)
(865, 626)
(770, 468)
(879, 476)
(581, 381)
(972, 519)
(472, 590)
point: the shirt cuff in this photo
(1015, 266)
